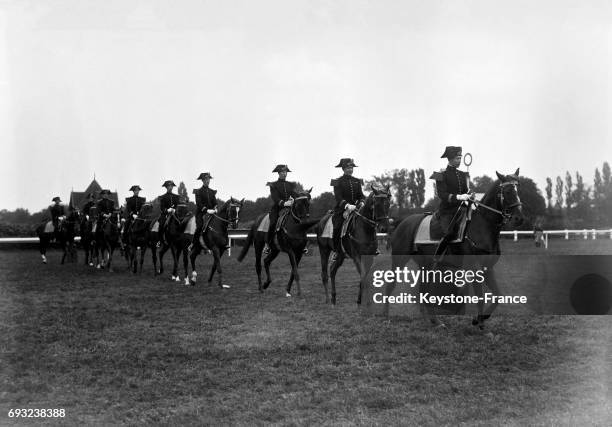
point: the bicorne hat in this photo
(169, 182)
(451, 152)
(56, 199)
(135, 188)
(205, 175)
(281, 168)
(346, 162)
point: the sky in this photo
(138, 92)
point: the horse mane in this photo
(491, 193)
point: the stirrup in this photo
(158, 244)
(190, 247)
(334, 256)
(266, 249)
(305, 251)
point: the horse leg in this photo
(491, 282)
(213, 269)
(218, 262)
(258, 250)
(186, 264)
(324, 254)
(294, 259)
(42, 246)
(194, 254)
(397, 261)
(143, 250)
(111, 248)
(175, 255)
(357, 262)
(267, 261)
(333, 269)
(366, 263)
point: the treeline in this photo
(566, 202)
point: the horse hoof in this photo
(178, 279)
(288, 295)
(91, 264)
(266, 284)
(187, 282)
(225, 286)
(475, 321)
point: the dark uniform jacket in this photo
(87, 206)
(105, 206)
(166, 201)
(347, 190)
(281, 191)
(133, 205)
(56, 211)
(450, 182)
(206, 198)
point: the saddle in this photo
(430, 231)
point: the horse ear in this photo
(517, 172)
(242, 201)
(308, 191)
(500, 176)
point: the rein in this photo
(505, 213)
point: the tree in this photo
(569, 191)
(549, 194)
(534, 204)
(481, 184)
(182, 192)
(559, 193)
(321, 204)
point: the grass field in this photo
(124, 349)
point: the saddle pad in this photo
(423, 237)
(49, 227)
(190, 228)
(328, 230)
(264, 225)
(155, 227)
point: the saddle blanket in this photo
(264, 225)
(328, 230)
(49, 227)
(190, 228)
(423, 236)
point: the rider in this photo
(88, 204)
(167, 205)
(57, 212)
(282, 193)
(106, 206)
(452, 188)
(206, 202)
(132, 206)
(349, 196)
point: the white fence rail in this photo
(585, 233)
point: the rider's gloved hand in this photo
(463, 197)
(87, 217)
(170, 210)
(350, 207)
(211, 211)
(134, 216)
(288, 203)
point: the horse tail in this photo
(249, 241)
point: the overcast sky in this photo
(138, 92)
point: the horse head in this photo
(300, 209)
(508, 200)
(231, 210)
(145, 211)
(377, 204)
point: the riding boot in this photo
(439, 254)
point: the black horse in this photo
(64, 235)
(87, 232)
(292, 239)
(177, 241)
(500, 205)
(138, 237)
(360, 242)
(108, 238)
(216, 238)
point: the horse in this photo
(360, 241)
(215, 238)
(138, 236)
(176, 240)
(500, 205)
(291, 236)
(108, 237)
(87, 232)
(64, 235)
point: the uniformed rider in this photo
(167, 205)
(206, 203)
(57, 212)
(282, 192)
(132, 206)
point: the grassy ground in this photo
(123, 349)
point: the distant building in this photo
(78, 198)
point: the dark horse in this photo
(215, 238)
(291, 237)
(501, 204)
(360, 241)
(87, 231)
(176, 240)
(138, 238)
(108, 238)
(63, 235)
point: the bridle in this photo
(297, 218)
(506, 211)
(229, 220)
(374, 221)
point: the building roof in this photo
(78, 198)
